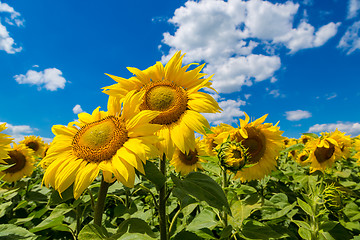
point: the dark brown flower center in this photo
(189, 158)
(323, 154)
(33, 145)
(16, 158)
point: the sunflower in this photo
(357, 149)
(305, 138)
(189, 161)
(345, 143)
(210, 140)
(174, 92)
(116, 142)
(263, 142)
(233, 156)
(302, 158)
(5, 141)
(289, 142)
(35, 143)
(23, 158)
(324, 151)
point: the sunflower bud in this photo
(233, 156)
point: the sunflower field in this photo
(139, 171)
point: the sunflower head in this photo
(233, 156)
(215, 138)
(22, 160)
(5, 141)
(116, 142)
(323, 151)
(263, 142)
(189, 161)
(333, 198)
(35, 143)
(173, 91)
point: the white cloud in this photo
(297, 115)
(7, 43)
(231, 109)
(233, 73)
(351, 39)
(305, 36)
(350, 128)
(51, 79)
(18, 131)
(334, 95)
(77, 109)
(225, 33)
(275, 93)
(354, 6)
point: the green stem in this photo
(152, 195)
(173, 220)
(225, 185)
(162, 202)
(78, 219)
(100, 204)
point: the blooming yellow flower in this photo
(325, 150)
(357, 149)
(174, 92)
(210, 140)
(189, 161)
(35, 143)
(263, 142)
(5, 141)
(116, 142)
(23, 159)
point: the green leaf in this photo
(205, 219)
(204, 188)
(326, 226)
(135, 225)
(245, 189)
(302, 224)
(132, 236)
(93, 232)
(241, 211)
(306, 207)
(298, 146)
(4, 167)
(280, 213)
(257, 230)
(314, 135)
(56, 199)
(207, 130)
(186, 235)
(153, 174)
(226, 233)
(13, 232)
(56, 217)
(4, 208)
(304, 233)
(183, 197)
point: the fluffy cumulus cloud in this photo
(77, 109)
(231, 110)
(18, 131)
(354, 7)
(11, 17)
(350, 128)
(351, 39)
(50, 79)
(225, 34)
(297, 115)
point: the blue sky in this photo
(298, 61)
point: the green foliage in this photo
(289, 204)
